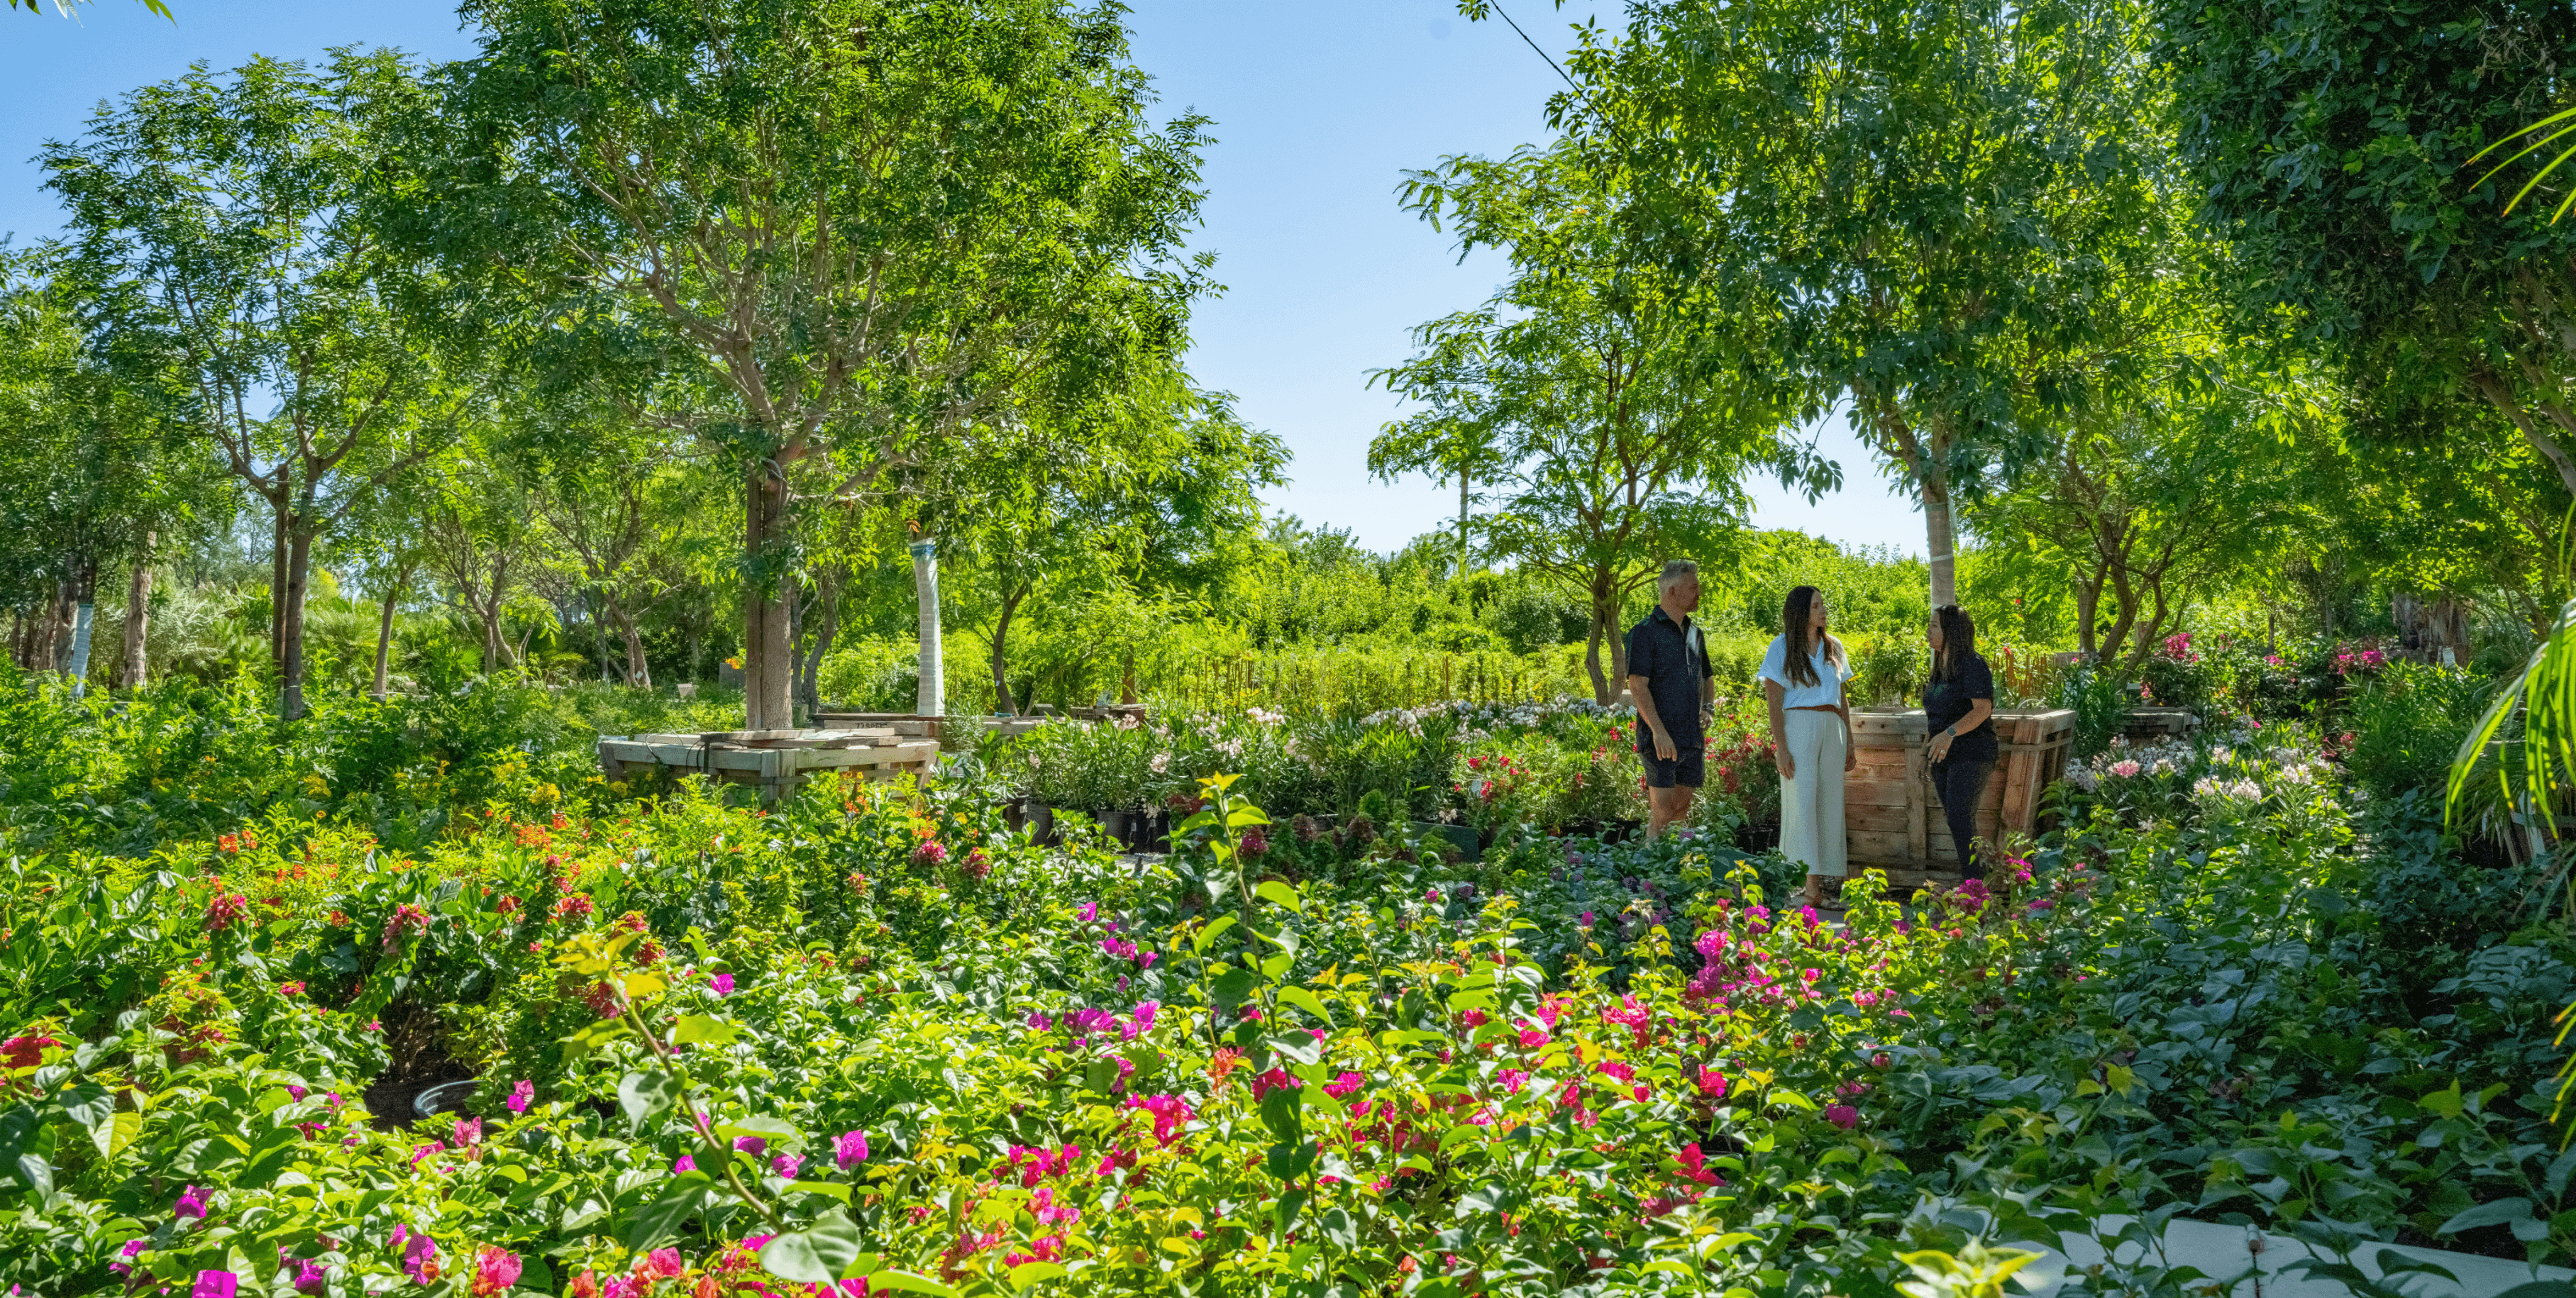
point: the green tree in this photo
(2331, 144)
(856, 230)
(1931, 198)
(229, 221)
(1615, 402)
(2157, 494)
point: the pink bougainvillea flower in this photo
(1475, 1018)
(752, 1145)
(787, 1165)
(1089, 913)
(1513, 1079)
(722, 984)
(192, 1203)
(469, 1131)
(522, 1095)
(1842, 1115)
(1712, 1083)
(290, 989)
(1695, 1165)
(311, 1276)
(215, 1284)
(851, 1150)
(25, 1052)
(495, 1269)
(664, 1262)
(126, 1255)
(1344, 1085)
(420, 1258)
(683, 1163)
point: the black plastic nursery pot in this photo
(1469, 843)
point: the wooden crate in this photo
(1892, 821)
(774, 762)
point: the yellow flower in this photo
(313, 784)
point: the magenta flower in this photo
(1712, 1083)
(192, 1203)
(420, 1259)
(1842, 1115)
(522, 1095)
(683, 1163)
(126, 1255)
(1587, 919)
(752, 1145)
(294, 1092)
(311, 1276)
(1041, 1022)
(722, 983)
(851, 1150)
(469, 1131)
(787, 1165)
(1090, 912)
(215, 1284)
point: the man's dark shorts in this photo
(1689, 766)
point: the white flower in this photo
(1162, 762)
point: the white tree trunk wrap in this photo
(79, 669)
(925, 586)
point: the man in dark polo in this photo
(1676, 691)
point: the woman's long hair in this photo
(1958, 641)
(1795, 613)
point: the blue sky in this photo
(1320, 108)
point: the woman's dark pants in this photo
(1959, 784)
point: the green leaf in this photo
(828, 1189)
(93, 1107)
(770, 1129)
(1277, 894)
(2487, 1214)
(1199, 943)
(704, 1029)
(1300, 1046)
(817, 1254)
(645, 1096)
(1031, 1273)
(909, 1283)
(1289, 1161)
(1307, 1001)
(1282, 1111)
(661, 1219)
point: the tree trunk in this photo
(1462, 523)
(639, 673)
(827, 625)
(290, 689)
(2088, 604)
(138, 616)
(58, 621)
(768, 652)
(277, 587)
(932, 697)
(1001, 656)
(1941, 535)
(1602, 693)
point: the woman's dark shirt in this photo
(1945, 702)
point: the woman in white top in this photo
(1811, 736)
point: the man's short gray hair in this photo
(1674, 571)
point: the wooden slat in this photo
(1876, 793)
(1885, 820)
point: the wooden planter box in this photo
(1891, 820)
(774, 762)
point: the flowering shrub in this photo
(791, 1051)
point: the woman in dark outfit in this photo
(1957, 706)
